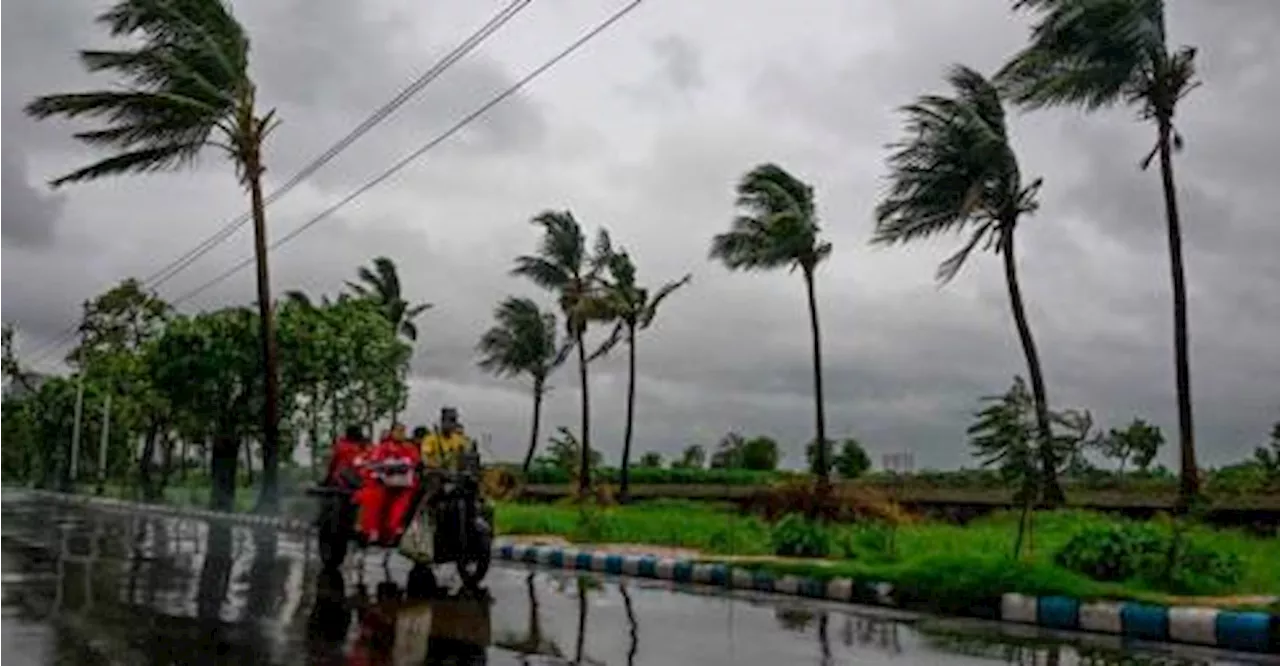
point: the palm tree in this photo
(382, 285)
(564, 265)
(1095, 54)
(778, 227)
(183, 84)
(955, 170)
(633, 309)
(524, 341)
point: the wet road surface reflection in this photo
(88, 587)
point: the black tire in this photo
(473, 565)
(334, 533)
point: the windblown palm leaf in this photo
(954, 170)
(523, 340)
(186, 86)
(382, 286)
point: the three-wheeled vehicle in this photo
(449, 522)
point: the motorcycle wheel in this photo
(333, 533)
(474, 565)
(421, 583)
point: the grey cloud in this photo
(681, 63)
(30, 216)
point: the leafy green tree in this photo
(728, 453)
(650, 460)
(381, 284)
(1139, 442)
(760, 454)
(633, 308)
(693, 457)
(1004, 437)
(777, 227)
(1095, 54)
(564, 451)
(524, 341)
(847, 458)
(182, 84)
(564, 265)
(957, 170)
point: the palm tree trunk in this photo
(1189, 487)
(584, 471)
(1051, 490)
(269, 497)
(624, 488)
(537, 423)
(820, 416)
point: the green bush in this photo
(1140, 551)
(871, 541)
(797, 536)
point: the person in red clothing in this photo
(346, 457)
(393, 463)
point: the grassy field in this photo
(947, 564)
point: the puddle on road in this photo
(85, 587)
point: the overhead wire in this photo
(421, 150)
(185, 260)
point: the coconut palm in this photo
(778, 227)
(181, 84)
(1094, 54)
(564, 265)
(633, 308)
(523, 341)
(956, 170)
(382, 285)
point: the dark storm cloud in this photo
(30, 216)
(681, 63)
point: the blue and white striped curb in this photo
(1245, 631)
(112, 504)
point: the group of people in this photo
(384, 474)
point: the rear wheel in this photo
(473, 564)
(334, 532)
(421, 583)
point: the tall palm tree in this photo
(382, 285)
(777, 227)
(564, 265)
(182, 85)
(523, 341)
(1094, 54)
(955, 169)
(633, 308)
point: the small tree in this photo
(651, 460)
(760, 454)
(694, 457)
(1269, 456)
(728, 454)
(1139, 443)
(852, 460)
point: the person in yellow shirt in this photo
(443, 447)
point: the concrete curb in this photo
(1232, 630)
(1244, 631)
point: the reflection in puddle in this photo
(83, 588)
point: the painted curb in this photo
(1233, 630)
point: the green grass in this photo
(944, 566)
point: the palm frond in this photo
(387, 278)
(137, 161)
(542, 272)
(617, 335)
(652, 305)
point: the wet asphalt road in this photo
(88, 587)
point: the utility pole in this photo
(102, 445)
(75, 431)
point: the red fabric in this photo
(346, 453)
(384, 508)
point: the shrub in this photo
(841, 503)
(873, 541)
(1129, 551)
(797, 536)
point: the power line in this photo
(202, 248)
(413, 156)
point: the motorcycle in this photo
(448, 522)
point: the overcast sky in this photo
(645, 132)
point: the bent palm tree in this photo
(633, 309)
(957, 170)
(564, 265)
(185, 86)
(523, 341)
(778, 227)
(1095, 54)
(382, 285)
